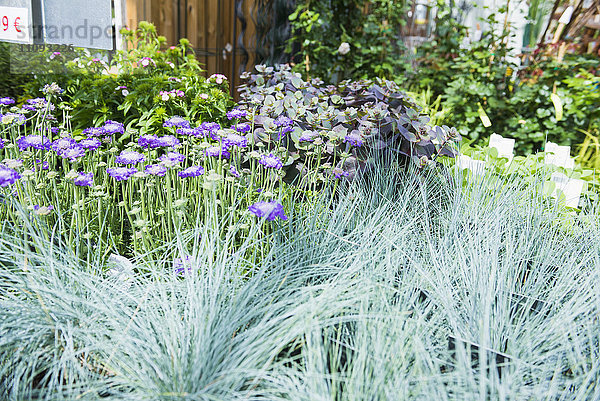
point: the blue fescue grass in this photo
(355, 300)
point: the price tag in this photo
(571, 188)
(558, 155)
(476, 166)
(504, 146)
(14, 24)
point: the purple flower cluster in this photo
(130, 157)
(153, 141)
(177, 121)
(234, 172)
(121, 173)
(172, 158)
(339, 173)
(38, 142)
(269, 210)
(182, 265)
(8, 176)
(45, 164)
(63, 143)
(271, 161)
(90, 144)
(113, 128)
(218, 151)
(189, 131)
(354, 139)
(38, 103)
(209, 129)
(236, 113)
(73, 153)
(243, 128)
(13, 118)
(94, 131)
(194, 171)
(2, 143)
(307, 136)
(156, 169)
(235, 140)
(84, 180)
(6, 101)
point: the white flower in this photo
(125, 92)
(344, 48)
(165, 96)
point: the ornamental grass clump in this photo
(407, 286)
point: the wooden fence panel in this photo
(207, 24)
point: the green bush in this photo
(349, 39)
(130, 89)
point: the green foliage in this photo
(11, 81)
(349, 39)
(129, 89)
(477, 82)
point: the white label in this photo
(559, 155)
(14, 24)
(572, 188)
(504, 146)
(476, 166)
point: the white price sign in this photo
(14, 24)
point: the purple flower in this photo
(156, 169)
(271, 161)
(38, 103)
(189, 131)
(45, 164)
(63, 143)
(235, 140)
(234, 172)
(39, 142)
(182, 265)
(270, 210)
(168, 141)
(121, 173)
(73, 153)
(307, 136)
(13, 118)
(43, 210)
(217, 151)
(209, 129)
(94, 131)
(90, 143)
(1, 143)
(8, 176)
(84, 180)
(282, 121)
(148, 141)
(193, 171)
(113, 127)
(339, 173)
(244, 128)
(177, 121)
(6, 101)
(236, 113)
(354, 139)
(130, 157)
(172, 158)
